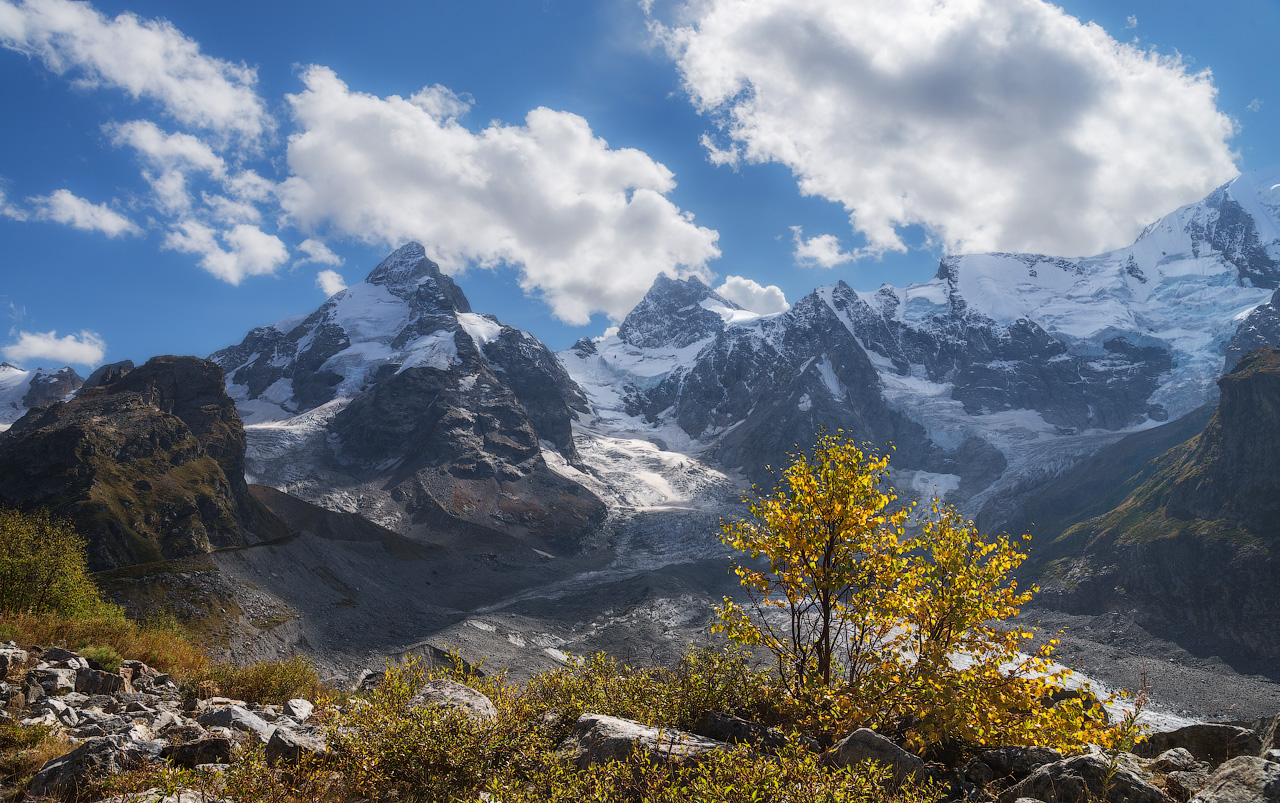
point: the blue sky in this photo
(177, 175)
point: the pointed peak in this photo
(672, 314)
(404, 266)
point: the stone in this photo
(736, 730)
(10, 656)
(93, 681)
(298, 710)
(208, 750)
(1018, 760)
(1206, 741)
(55, 655)
(1173, 760)
(63, 776)
(292, 746)
(865, 744)
(54, 681)
(1091, 778)
(158, 795)
(103, 702)
(978, 772)
(449, 694)
(237, 718)
(598, 739)
(1244, 779)
(1181, 785)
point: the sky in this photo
(173, 175)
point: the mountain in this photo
(22, 390)
(991, 379)
(395, 401)
(1191, 538)
(148, 464)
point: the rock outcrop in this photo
(148, 466)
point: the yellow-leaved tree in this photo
(906, 634)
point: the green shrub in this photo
(268, 682)
(106, 656)
(42, 567)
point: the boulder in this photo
(208, 750)
(597, 739)
(53, 681)
(1176, 759)
(93, 681)
(298, 710)
(292, 746)
(10, 656)
(865, 744)
(1206, 741)
(449, 694)
(1018, 760)
(736, 730)
(237, 718)
(1091, 778)
(1244, 779)
(63, 776)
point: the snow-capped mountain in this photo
(20, 390)
(999, 373)
(396, 401)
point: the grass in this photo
(23, 751)
(266, 683)
(160, 644)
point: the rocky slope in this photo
(22, 390)
(396, 401)
(1193, 540)
(148, 464)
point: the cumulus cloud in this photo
(330, 281)
(145, 58)
(249, 251)
(318, 253)
(751, 295)
(822, 251)
(86, 348)
(588, 226)
(10, 211)
(61, 206)
(1003, 125)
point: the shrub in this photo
(105, 656)
(267, 682)
(867, 624)
(42, 567)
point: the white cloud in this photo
(1131, 21)
(144, 58)
(319, 254)
(86, 348)
(330, 281)
(588, 226)
(822, 251)
(751, 295)
(10, 211)
(250, 251)
(1003, 125)
(61, 206)
(1255, 105)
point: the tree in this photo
(877, 629)
(42, 566)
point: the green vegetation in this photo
(267, 683)
(23, 751)
(42, 567)
(864, 622)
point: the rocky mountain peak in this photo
(407, 273)
(675, 313)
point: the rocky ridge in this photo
(396, 401)
(148, 464)
(22, 390)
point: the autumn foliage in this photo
(874, 627)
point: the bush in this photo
(866, 623)
(265, 683)
(42, 567)
(105, 656)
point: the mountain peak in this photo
(674, 314)
(405, 265)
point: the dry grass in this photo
(270, 682)
(23, 751)
(162, 646)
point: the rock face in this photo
(150, 465)
(1194, 540)
(396, 401)
(23, 390)
(1081, 779)
(865, 744)
(1247, 779)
